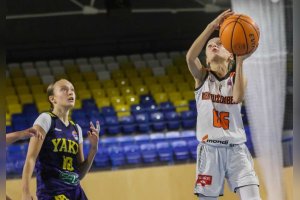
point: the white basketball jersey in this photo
(219, 120)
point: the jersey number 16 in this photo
(221, 119)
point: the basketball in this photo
(239, 34)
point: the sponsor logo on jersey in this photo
(211, 79)
(229, 82)
(57, 129)
(205, 139)
(217, 98)
(75, 135)
(204, 180)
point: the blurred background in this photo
(126, 59)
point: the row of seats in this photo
(119, 151)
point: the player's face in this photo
(215, 51)
(64, 94)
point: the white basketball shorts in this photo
(214, 164)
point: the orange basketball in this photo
(239, 34)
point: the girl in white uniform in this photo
(220, 89)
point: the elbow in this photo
(189, 58)
(237, 99)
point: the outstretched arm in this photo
(19, 135)
(192, 59)
(240, 82)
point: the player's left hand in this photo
(93, 134)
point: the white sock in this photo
(201, 197)
(250, 192)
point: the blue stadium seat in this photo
(116, 155)
(132, 153)
(193, 144)
(165, 151)
(167, 107)
(149, 153)
(173, 136)
(112, 125)
(30, 109)
(158, 121)
(109, 141)
(9, 129)
(86, 147)
(142, 121)
(157, 137)
(188, 135)
(108, 111)
(146, 99)
(128, 124)
(180, 149)
(78, 114)
(102, 158)
(151, 108)
(89, 105)
(192, 105)
(125, 140)
(173, 120)
(141, 139)
(136, 109)
(189, 119)
(83, 123)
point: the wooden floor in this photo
(152, 183)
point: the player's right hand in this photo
(216, 23)
(31, 132)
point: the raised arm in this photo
(192, 59)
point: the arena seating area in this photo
(144, 102)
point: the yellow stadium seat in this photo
(98, 93)
(90, 76)
(108, 84)
(43, 106)
(126, 65)
(160, 97)
(94, 84)
(192, 84)
(188, 77)
(10, 91)
(130, 73)
(72, 69)
(14, 108)
(39, 97)
(117, 100)
(183, 69)
(26, 98)
(116, 74)
(17, 73)
(169, 87)
(102, 102)
(163, 79)
(174, 96)
(155, 88)
(8, 123)
(23, 90)
(7, 116)
(37, 89)
(84, 94)
(182, 87)
(61, 76)
(136, 81)
(75, 77)
(145, 72)
(8, 82)
(12, 99)
(120, 82)
(141, 89)
(78, 104)
(188, 95)
(122, 110)
(178, 78)
(132, 99)
(80, 85)
(150, 81)
(172, 70)
(179, 61)
(127, 90)
(19, 82)
(111, 92)
(181, 105)
(34, 80)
